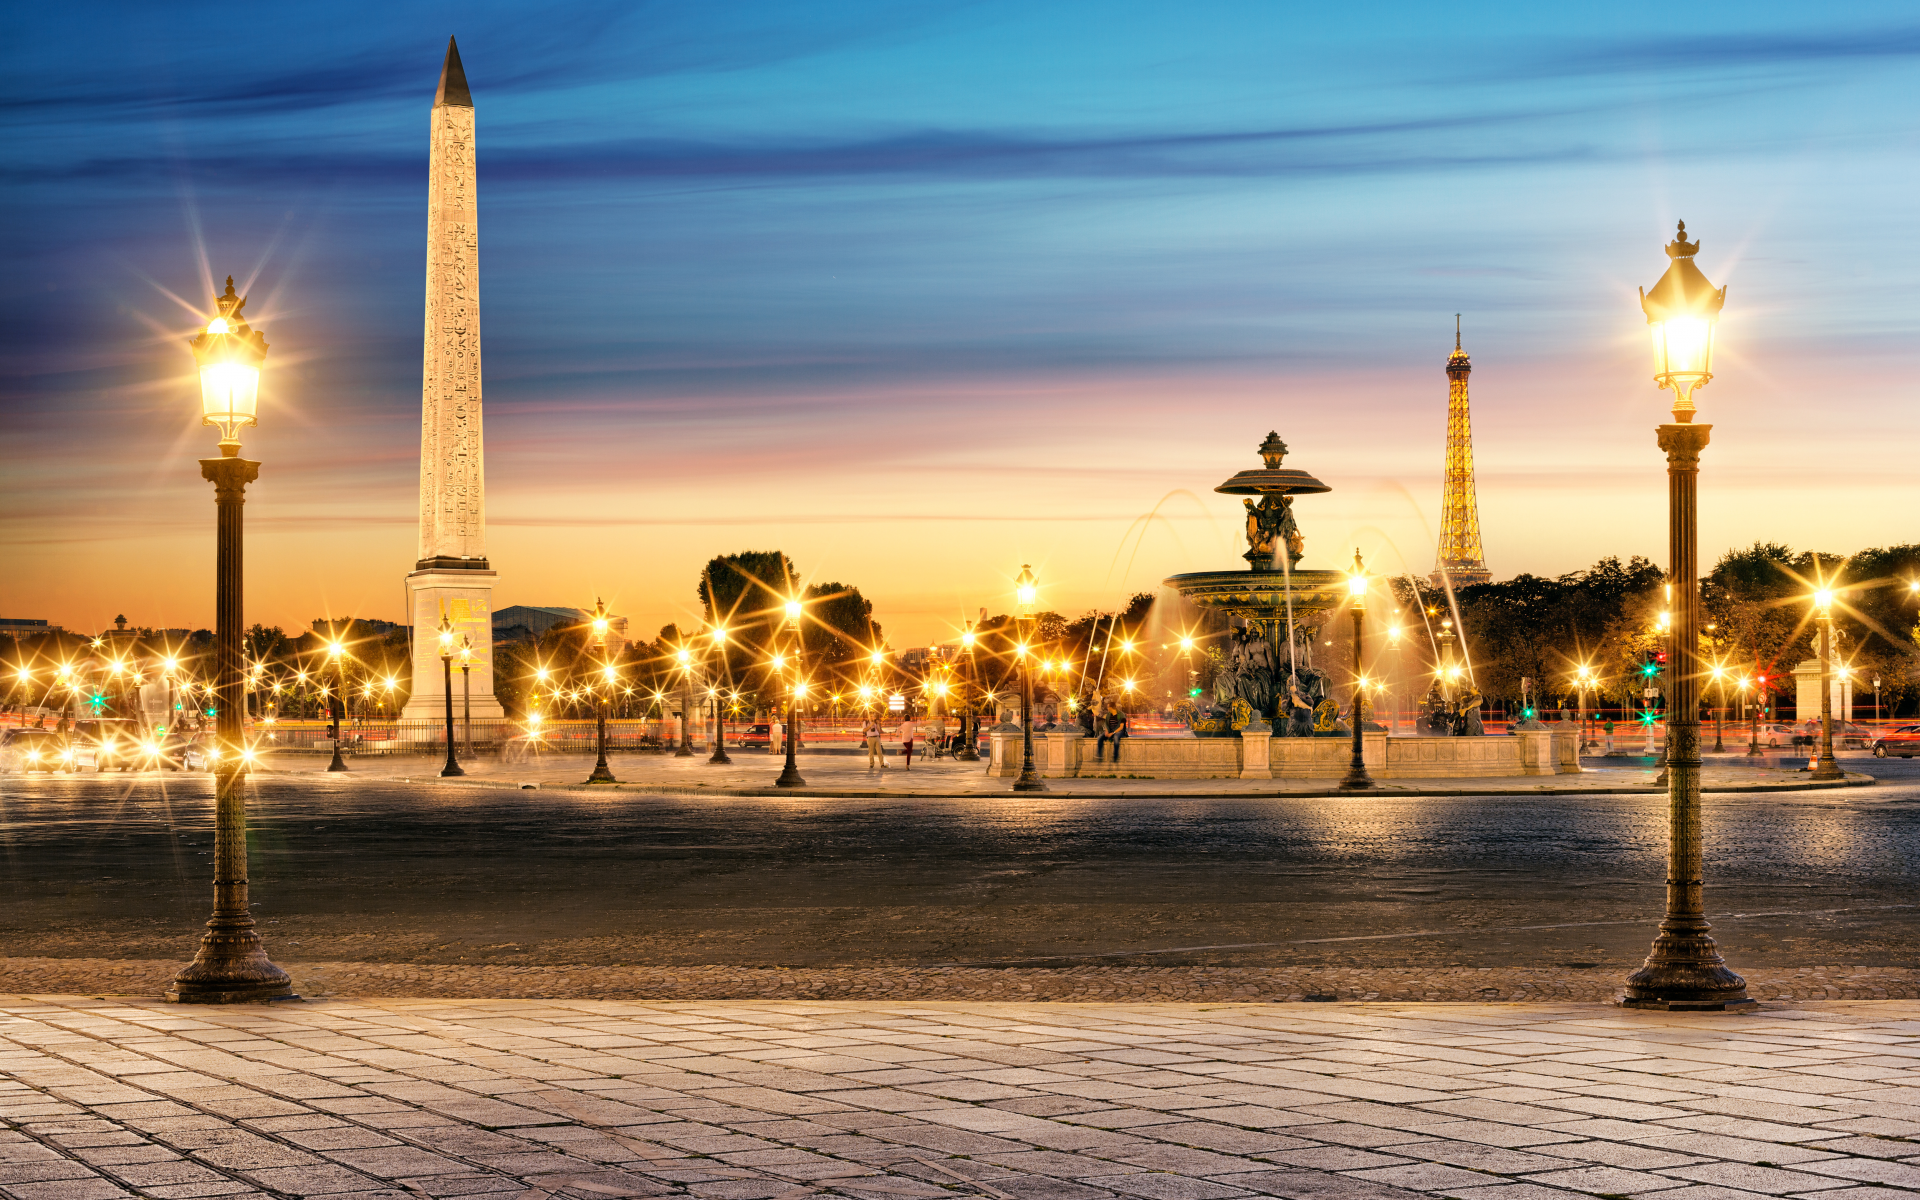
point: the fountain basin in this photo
(1262, 594)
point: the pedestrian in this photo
(777, 738)
(1113, 728)
(1607, 727)
(876, 753)
(906, 741)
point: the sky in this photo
(922, 292)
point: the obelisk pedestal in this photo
(452, 576)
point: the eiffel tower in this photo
(1460, 557)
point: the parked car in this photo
(757, 735)
(1777, 735)
(106, 744)
(1900, 742)
(25, 750)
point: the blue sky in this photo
(921, 292)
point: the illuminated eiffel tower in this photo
(1460, 557)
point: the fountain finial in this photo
(1273, 450)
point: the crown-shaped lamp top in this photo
(1273, 450)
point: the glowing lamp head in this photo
(720, 636)
(1823, 601)
(229, 355)
(466, 650)
(1682, 310)
(540, 673)
(966, 639)
(446, 635)
(1186, 643)
(866, 693)
(877, 658)
(1026, 590)
(779, 662)
(683, 656)
(609, 673)
(334, 649)
(1357, 581)
(793, 614)
(600, 624)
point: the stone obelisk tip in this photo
(453, 81)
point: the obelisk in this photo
(452, 576)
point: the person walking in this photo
(1607, 727)
(907, 731)
(876, 753)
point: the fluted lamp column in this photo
(1026, 590)
(231, 965)
(602, 630)
(790, 774)
(1357, 778)
(1824, 767)
(1685, 970)
(447, 650)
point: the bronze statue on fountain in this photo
(1276, 610)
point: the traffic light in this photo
(1526, 714)
(1193, 693)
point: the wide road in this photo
(359, 870)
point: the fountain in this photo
(1275, 608)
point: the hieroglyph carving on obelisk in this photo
(452, 577)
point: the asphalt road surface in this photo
(357, 870)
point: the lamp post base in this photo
(232, 967)
(1825, 770)
(790, 778)
(601, 774)
(1357, 782)
(1685, 973)
(338, 763)
(1029, 785)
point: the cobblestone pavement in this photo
(847, 775)
(470, 889)
(586, 1100)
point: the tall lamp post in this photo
(231, 965)
(1026, 591)
(790, 775)
(602, 629)
(466, 694)
(720, 757)
(446, 666)
(337, 653)
(1824, 767)
(969, 730)
(1720, 708)
(1684, 971)
(1357, 778)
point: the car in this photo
(26, 750)
(1902, 741)
(107, 743)
(757, 735)
(1777, 735)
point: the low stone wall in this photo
(1067, 754)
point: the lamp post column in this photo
(339, 716)
(969, 727)
(1824, 767)
(1685, 969)
(1357, 778)
(790, 774)
(231, 965)
(466, 699)
(446, 667)
(1029, 780)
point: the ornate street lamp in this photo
(1026, 591)
(1357, 778)
(446, 666)
(337, 653)
(969, 729)
(466, 694)
(720, 758)
(1684, 970)
(1824, 767)
(602, 630)
(790, 776)
(231, 965)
